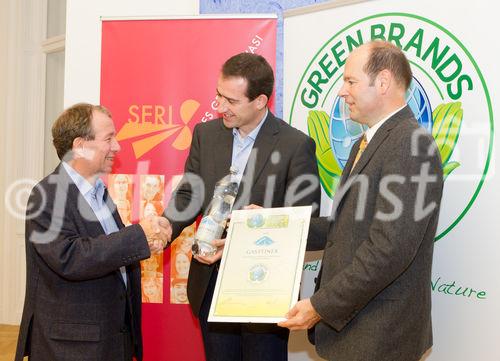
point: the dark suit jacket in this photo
(282, 154)
(374, 295)
(76, 305)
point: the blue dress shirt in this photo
(242, 147)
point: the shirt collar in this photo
(84, 185)
(253, 134)
(370, 132)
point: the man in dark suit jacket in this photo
(373, 301)
(83, 295)
(278, 169)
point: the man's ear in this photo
(78, 146)
(384, 80)
(261, 101)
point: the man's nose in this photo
(343, 91)
(115, 146)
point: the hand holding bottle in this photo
(211, 259)
(214, 221)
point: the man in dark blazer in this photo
(278, 169)
(373, 301)
(83, 295)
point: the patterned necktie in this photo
(362, 147)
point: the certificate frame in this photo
(261, 267)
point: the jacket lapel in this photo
(223, 145)
(262, 148)
(348, 166)
(373, 145)
(261, 151)
(80, 203)
(112, 208)
(339, 193)
(116, 216)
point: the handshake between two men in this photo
(158, 231)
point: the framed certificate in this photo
(261, 267)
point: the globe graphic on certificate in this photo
(255, 221)
(257, 273)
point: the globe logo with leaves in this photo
(335, 134)
(448, 90)
(344, 132)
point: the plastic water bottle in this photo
(214, 221)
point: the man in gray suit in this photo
(373, 302)
(277, 167)
(83, 293)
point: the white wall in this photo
(83, 38)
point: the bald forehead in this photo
(361, 53)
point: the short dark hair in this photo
(255, 70)
(384, 55)
(74, 122)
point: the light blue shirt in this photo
(94, 195)
(242, 147)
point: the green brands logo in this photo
(448, 95)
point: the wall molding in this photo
(54, 44)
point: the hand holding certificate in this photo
(261, 266)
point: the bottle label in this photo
(209, 230)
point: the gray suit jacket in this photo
(374, 294)
(77, 306)
(282, 154)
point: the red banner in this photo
(158, 78)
